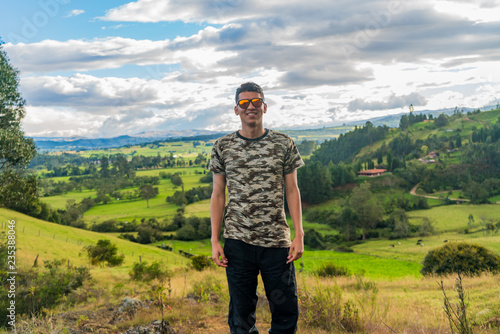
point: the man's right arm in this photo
(217, 204)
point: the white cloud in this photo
(75, 12)
(477, 11)
(318, 62)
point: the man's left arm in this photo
(295, 208)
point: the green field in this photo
(371, 266)
(59, 202)
(408, 249)
(137, 208)
(184, 149)
(495, 199)
(455, 217)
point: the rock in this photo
(129, 303)
(154, 327)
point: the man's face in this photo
(251, 116)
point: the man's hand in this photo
(296, 249)
(218, 254)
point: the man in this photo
(258, 166)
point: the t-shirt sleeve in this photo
(217, 165)
(292, 158)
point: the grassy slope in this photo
(455, 217)
(51, 241)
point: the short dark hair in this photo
(249, 87)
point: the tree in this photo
(401, 224)
(404, 122)
(441, 121)
(424, 149)
(461, 257)
(19, 191)
(365, 205)
(349, 219)
(104, 167)
(148, 192)
(104, 251)
(315, 182)
(176, 179)
(458, 141)
(426, 228)
(389, 161)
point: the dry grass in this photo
(404, 306)
(198, 303)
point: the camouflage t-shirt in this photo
(255, 172)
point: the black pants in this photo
(244, 263)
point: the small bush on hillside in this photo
(104, 251)
(314, 239)
(344, 249)
(109, 225)
(201, 262)
(461, 258)
(207, 178)
(329, 269)
(143, 272)
(39, 290)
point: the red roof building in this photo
(372, 172)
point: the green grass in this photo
(495, 199)
(52, 241)
(59, 201)
(198, 209)
(455, 217)
(137, 208)
(371, 266)
(183, 149)
(409, 250)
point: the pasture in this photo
(455, 217)
(185, 149)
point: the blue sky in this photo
(107, 68)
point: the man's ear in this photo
(236, 111)
(265, 108)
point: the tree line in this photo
(116, 164)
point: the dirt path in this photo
(413, 192)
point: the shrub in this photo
(142, 272)
(344, 249)
(329, 269)
(201, 262)
(314, 239)
(104, 251)
(39, 290)
(109, 225)
(462, 258)
(207, 178)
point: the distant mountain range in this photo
(80, 143)
(334, 128)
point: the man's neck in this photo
(252, 133)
